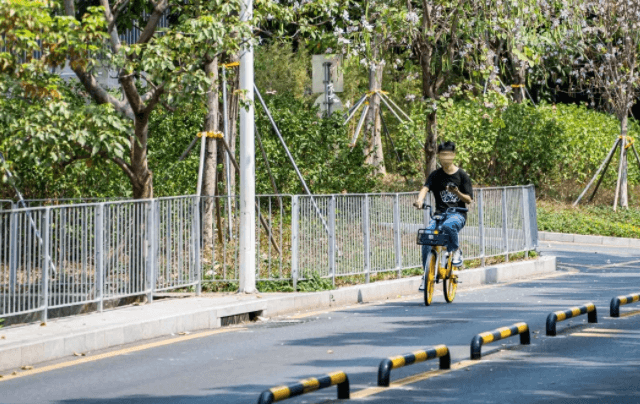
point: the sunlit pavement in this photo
(235, 367)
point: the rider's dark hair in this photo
(447, 146)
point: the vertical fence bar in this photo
(295, 239)
(195, 240)
(99, 226)
(505, 236)
(46, 261)
(481, 231)
(150, 249)
(367, 239)
(332, 238)
(13, 254)
(396, 234)
(533, 217)
(526, 222)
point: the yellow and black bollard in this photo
(521, 329)
(395, 362)
(557, 316)
(305, 386)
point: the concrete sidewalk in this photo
(584, 239)
(31, 344)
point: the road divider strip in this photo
(558, 316)
(395, 362)
(616, 302)
(521, 329)
(305, 386)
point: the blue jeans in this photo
(452, 226)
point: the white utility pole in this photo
(247, 251)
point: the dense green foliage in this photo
(319, 146)
(595, 220)
(503, 143)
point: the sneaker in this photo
(456, 261)
(421, 288)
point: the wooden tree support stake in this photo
(604, 164)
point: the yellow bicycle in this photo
(435, 263)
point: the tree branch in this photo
(150, 29)
(111, 28)
(99, 94)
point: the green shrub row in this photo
(589, 220)
(502, 143)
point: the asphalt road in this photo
(234, 367)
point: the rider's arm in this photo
(423, 194)
(463, 197)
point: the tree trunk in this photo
(141, 178)
(373, 131)
(429, 91)
(624, 197)
(209, 179)
(519, 77)
(430, 146)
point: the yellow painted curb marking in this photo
(117, 353)
(603, 335)
(610, 330)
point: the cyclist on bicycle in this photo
(451, 187)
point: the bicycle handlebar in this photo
(449, 210)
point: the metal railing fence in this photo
(372, 233)
(56, 256)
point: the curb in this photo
(584, 239)
(138, 325)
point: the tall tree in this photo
(605, 39)
(162, 66)
(367, 38)
(438, 31)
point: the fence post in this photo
(481, 227)
(396, 234)
(533, 216)
(526, 223)
(332, 237)
(13, 254)
(367, 239)
(100, 256)
(295, 239)
(46, 261)
(150, 250)
(505, 234)
(196, 240)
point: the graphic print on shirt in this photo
(449, 197)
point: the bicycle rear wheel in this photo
(430, 278)
(450, 284)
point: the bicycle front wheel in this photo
(430, 278)
(450, 284)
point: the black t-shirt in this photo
(437, 183)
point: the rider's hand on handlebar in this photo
(418, 204)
